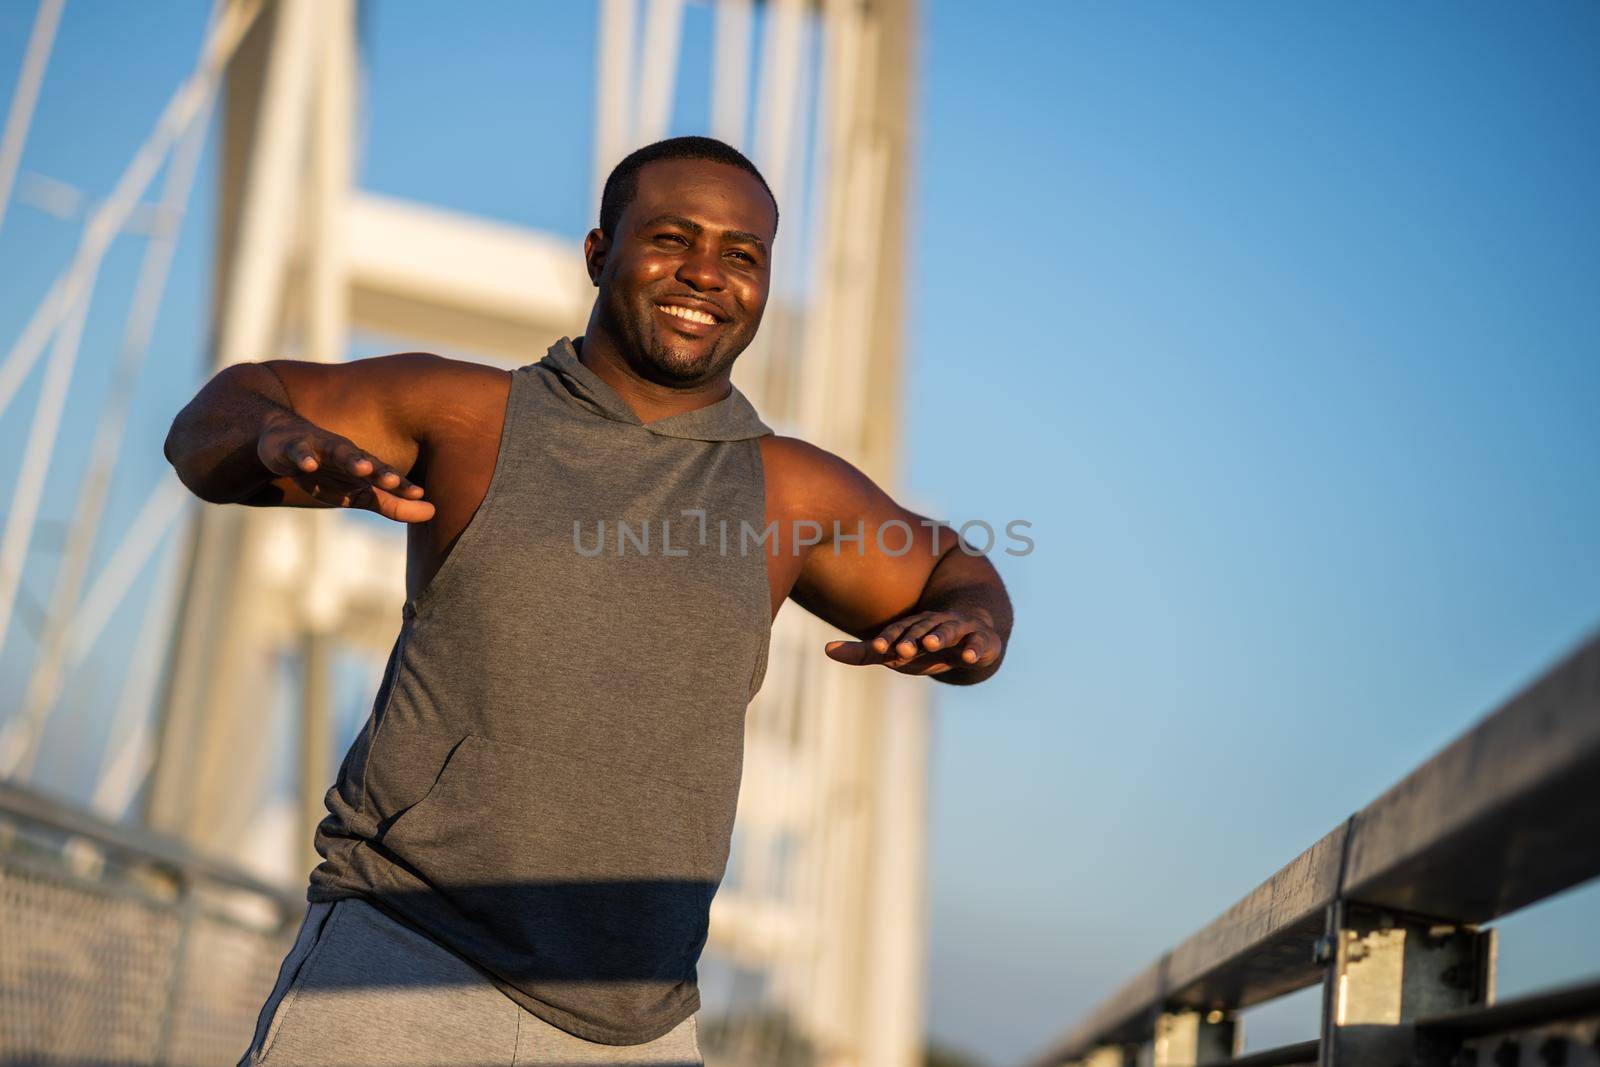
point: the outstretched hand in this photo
(332, 469)
(928, 642)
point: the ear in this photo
(595, 247)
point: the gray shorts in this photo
(361, 990)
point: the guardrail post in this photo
(1196, 1038)
(1388, 970)
(188, 909)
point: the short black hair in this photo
(623, 183)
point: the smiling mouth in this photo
(688, 314)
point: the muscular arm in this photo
(212, 442)
(915, 599)
(962, 585)
(299, 434)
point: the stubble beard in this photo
(655, 353)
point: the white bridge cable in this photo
(161, 510)
(130, 750)
(70, 303)
(25, 353)
(44, 683)
(19, 740)
(658, 70)
(20, 117)
(730, 76)
(29, 486)
(615, 103)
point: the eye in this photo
(672, 237)
(746, 256)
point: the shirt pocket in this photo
(562, 867)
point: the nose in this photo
(701, 269)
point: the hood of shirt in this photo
(733, 418)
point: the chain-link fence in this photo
(121, 948)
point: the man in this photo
(523, 843)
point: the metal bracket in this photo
(1390, 970)
(1196, 1038)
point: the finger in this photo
(288, 455)
(335, 490)
(391, 480)
(310, 453)
(326, 484)
(916, 639)
(891, 640)
(980, 648)
(929, 663)
(939, 631)
(399, 508)
(373, 471)
(352, 460)
(854, 653)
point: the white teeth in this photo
(688, 313)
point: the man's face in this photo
(683, 281)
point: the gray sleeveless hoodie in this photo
(546, 784)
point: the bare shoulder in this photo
(804, 476)
(447, 397)
(433, 384)
(403, 407)
(418, 394)
(392, 377)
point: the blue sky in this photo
(1278, 322)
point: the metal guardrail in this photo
(1384, 913)
(121, 946)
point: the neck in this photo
(648, 399)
